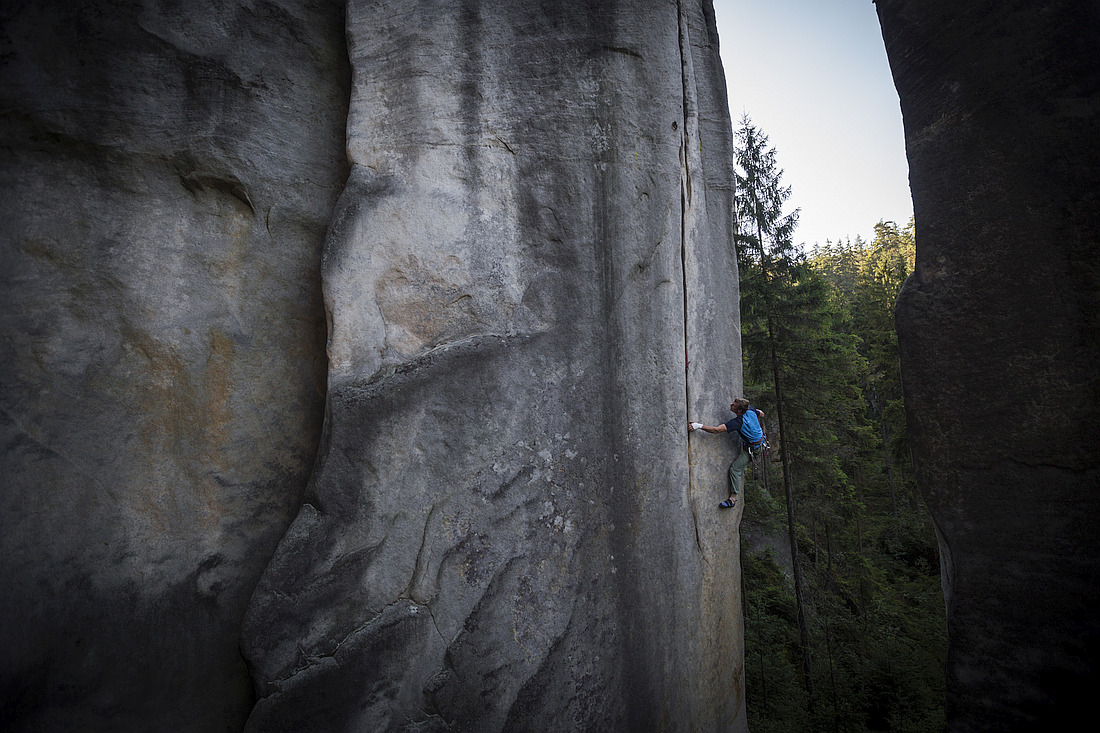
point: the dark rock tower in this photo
(1000, 335)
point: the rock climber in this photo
(747, 423)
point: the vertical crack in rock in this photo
(685, 203)
(530, 151)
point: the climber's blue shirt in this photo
(748, 425)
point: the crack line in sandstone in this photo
(685, 202)
(312, 660)
(435, 625)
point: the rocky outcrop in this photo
(506, 525)
(167, 178)
(999, 335)
(505, 528)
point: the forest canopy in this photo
(844, 615)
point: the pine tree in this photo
(839, 263)
(799, 351)
(764, 238)
(821, 358)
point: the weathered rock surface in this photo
(1000, 337)
(505, 528)
(167, 176)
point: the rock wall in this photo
(167, 178)
(999, 336)
(505, 528)
(505, 525)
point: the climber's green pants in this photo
(737, 471)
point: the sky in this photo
(813, 76)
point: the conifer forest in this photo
(844, 613)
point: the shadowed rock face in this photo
(167, 178)
(999, 336)
(506, 526)
(504, 529)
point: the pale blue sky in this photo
(812, 74)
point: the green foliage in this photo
(865, 282)
(762, 508)
(779, 304)
(776, 695)
(877, 628)
(821, 360)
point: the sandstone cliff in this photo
(520, 227)
(167, 181)
(1000, 336)
(502, 531)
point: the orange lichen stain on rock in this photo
(188, 425)
(160, 391)
(424, 306)
(215, 405)
(217, 390)
(738, 679)
(47, 250)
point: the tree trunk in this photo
(859, 513)
(763, 682)
(832, 673)
(788, 490)
(889, 465)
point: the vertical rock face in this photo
(505, 528)
(167, 176)
(999, 334)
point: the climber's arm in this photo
(709, 428)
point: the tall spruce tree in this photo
(821, 329)
(839, 263)
(798, 352)
(765, 247)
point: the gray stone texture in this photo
(529, 286)
(168, 172)
(507, 528)
(999, 336)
